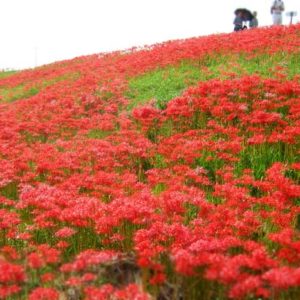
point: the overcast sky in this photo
(36, 32)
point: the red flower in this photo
(41, 293)
(65, 232)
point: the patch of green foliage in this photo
(4, 74)
(163, 84)
(16, 93)
(261, 157)
(24, 91)
(96, 133)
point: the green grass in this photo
(163, 84)
(267, 66)
(16, 93)
(10, 191)
(4, 74)
(261, 157)
(96, 133)
(27, 90)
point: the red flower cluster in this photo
(102, 203)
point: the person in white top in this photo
(276, 10)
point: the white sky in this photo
(36, 32)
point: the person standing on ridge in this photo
(254, 22)
(238, 21)
(276, 10)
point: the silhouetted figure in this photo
(242, 16)
(276, 10)
(254, 22)
(238, 22)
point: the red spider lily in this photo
(93, 293)
(11, 273)
(65, 232)
(44, 255)
(47, 277)
(44, 293)
(108, 292)
(6, 291)
(89, 258)
(8, 219)
(207, 188)
(11, 277)
(10, 252)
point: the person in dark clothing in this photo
(238, 22)
(254, 22)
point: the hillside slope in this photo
(168, 172)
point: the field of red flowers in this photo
(109, 193)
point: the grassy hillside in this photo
(168, 172)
